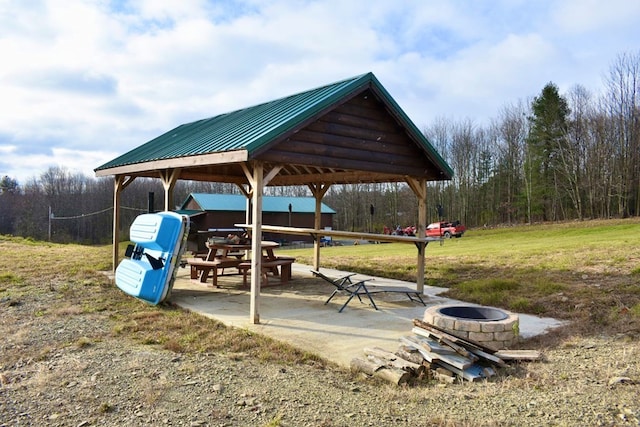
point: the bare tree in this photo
(512, 127)
(623, 108)
(572, 151)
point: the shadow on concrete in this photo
(296, 312)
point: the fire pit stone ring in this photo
(492, 327)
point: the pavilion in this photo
(351, 131)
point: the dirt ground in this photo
(65, 366)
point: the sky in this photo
(83, 81)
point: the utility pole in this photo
(50, 217)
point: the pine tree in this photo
(546, 136)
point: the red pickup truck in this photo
(445, 229)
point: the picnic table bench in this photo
(202, 268)
(269, 266)
(228, 255)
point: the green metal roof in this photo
(237, 202)
(252, 128)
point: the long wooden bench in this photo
(202, 269)
(269, 266)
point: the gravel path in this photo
(70, 371)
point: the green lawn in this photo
(587, 271)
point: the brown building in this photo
(216, 214)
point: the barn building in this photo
(216, 214)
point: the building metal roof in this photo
(249, 132)
(270, 204)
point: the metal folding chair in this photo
(359, 288)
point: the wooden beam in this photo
(244, 191)
(328, 142)
(419, 187)
(169, 178)
(336, 177)
(360, 109)
(247, 173)
(423, 170)
(255, 177)
(178, 162)
(198, 175)
(120, 183)
(272, 173)
(361, 122)
(318, 191)
(355, 235)
(335, 128)
(248, 193)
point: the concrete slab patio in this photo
(295, 313)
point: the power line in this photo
(133, 209)
(94, 213)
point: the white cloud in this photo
(8, 149)
(586, 16)
(28, 165)
(77, 75)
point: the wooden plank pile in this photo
(433, 353)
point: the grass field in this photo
(78, 351)
(584, 271)
(68, 280)
(588, 272)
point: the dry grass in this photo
(66, 282)
(586, 272)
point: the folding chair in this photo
(356, 289)
(346, 285)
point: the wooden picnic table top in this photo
(227, 247)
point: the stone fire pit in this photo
(491, 327)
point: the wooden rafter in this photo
(169, 179)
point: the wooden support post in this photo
(256, 245)
(317, 223)
(419, 187)
(318, 191)
(120, 183)
(116, 220)
(256, 183)
(169, 178)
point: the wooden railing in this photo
(355, 235)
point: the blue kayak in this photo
(149, 268)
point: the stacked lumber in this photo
(432, 353)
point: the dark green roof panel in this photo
(253, 127)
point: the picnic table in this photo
(228, 249)
(224, 254)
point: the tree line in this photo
(554, 157)
(67, 207)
